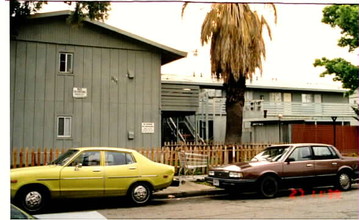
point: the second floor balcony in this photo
(256, 109)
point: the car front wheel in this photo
(140, 193)
(343, 181)
(32, 200)
(268, 187)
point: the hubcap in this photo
(140, 193)
(344, 181)
(33, 200)
(269, 187)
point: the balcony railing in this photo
(307, 109)
(255, 109)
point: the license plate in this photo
(215, 182)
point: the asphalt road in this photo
(321, 203)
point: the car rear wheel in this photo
(343, 181)
(140, 193)
(32, 200)
(268, 187)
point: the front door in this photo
(300, 167)
(84, 177)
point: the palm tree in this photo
(234, 32)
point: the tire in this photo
(343, 181)
(140, 193)
(268, 187)
(33, 199)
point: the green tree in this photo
(234, 32)
(345, 17)
(94, 10)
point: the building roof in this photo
(168, 54)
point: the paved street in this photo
(323, 203)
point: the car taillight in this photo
(165, 176)
(13, 181)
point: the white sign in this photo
(79, 92)
(148, 127)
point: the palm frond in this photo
(235, 34)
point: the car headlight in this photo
(211, 173)
(235, 175)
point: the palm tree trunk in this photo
(234, 107)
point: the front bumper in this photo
(230, 182)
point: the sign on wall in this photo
(79, 92)
(148, 127)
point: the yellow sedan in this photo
(90, 172)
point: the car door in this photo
(121, 170)
(326, 163)
(83, 177)
(299, 167)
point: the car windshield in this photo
(271, 154)
(62, 159)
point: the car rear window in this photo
(323, 152)
(118, 158)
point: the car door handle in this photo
(96, 171)
(132, 168)
(309, 165)
(334, 163)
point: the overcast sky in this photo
(299, 37)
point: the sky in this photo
(298, 38)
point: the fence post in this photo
(14, 158)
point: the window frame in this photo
(67, 69)
(67, 130)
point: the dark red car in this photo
(285, 166)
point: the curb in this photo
(188, 194)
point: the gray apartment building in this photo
(93, 85)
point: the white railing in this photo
(307, 109)
(255, 108)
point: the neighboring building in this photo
(93, 85)
(269, 111)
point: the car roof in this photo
(300, 144)
(104, 148)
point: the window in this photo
(66, 61)
(275, 97)
(322, 153)
(307, 98)
(64, 126)
(118, 158)
(89, 158)
(301, 154)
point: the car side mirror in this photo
(290, 159)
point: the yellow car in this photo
(90, 172)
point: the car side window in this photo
(118, 158)
(88, 158)
(322, 153)
(301, 154)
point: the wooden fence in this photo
(217, 154)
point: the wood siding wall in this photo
(114, 104)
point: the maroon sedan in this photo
(285, 166)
